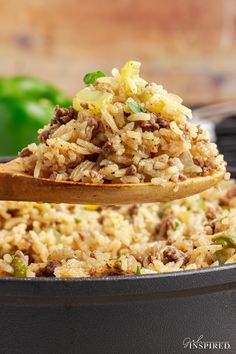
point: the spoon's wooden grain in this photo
(18, 186)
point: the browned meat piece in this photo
(45, 134)
(149, 125)
(206, 170)
(164, 226)
(170, 162)
(172, 254)
(156, 122)
(224, 201)
(101, 219)
(13, 212)
(131, 170)
(98, 137)
(25, 152)
(182, 177)
(71, 165)
(139, 258)
(204, 164)
(162, 122)
(31, 254)
(93, 157)
(48, 271)
(2, 222)
(64, 115)
(198, 161)
(231, 194)
(157, 229)
(210, 214)
(108, 148)
(133, 210)
(92, 122)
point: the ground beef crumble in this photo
(64, 115)
(131, 170)
(61, 116)
(205, 165)
(48, 270)
(164, 226)
(133, 210)
(225, 201)
(25, 152)
(108, 148)
(156, 122)
(210, 214)
(172, 254)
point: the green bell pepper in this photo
(26, 105)
(20, 120)
(31, 88)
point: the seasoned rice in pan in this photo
(49, 240)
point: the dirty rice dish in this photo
(48, 240)
(122, 129)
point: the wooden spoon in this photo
(16, 185)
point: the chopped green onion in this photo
(91, 78)
(135, 107)
(77, 220)
(176, 225)
(138, 271)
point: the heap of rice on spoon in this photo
(122, 129)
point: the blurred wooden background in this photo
(188, 45)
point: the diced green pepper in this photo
(220, 256)
(226, 241)
(138, 271)
(135, 107)
(19, 267)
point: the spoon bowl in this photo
(19, 186)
